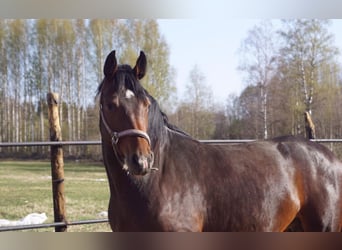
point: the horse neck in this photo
(167, 140)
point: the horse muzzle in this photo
(138, 164)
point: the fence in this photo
(77, 143)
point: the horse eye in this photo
(110, 106)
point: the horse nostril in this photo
(136, 159)
(140, 161)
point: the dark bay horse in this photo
(161, 179)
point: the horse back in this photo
(319, 180)
(267, 184)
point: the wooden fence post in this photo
(309, 126)
(57, 163)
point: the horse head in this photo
(124, 107)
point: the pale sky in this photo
(212, 45)
(209, 37)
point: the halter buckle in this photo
(115, 138)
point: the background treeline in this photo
(67, 56)
(289, 67)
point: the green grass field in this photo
(25, 187)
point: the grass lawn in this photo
(25, 187)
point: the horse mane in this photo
(158, 121)
(125, 79)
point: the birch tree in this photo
(145, 35)
(16, 55)
(195, 114)
(4, 129)
(258, 52)
(306, 47)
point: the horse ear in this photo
(110, 65)
(140, 67)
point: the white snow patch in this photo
(30, 219)
(103, 214)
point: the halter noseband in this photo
(116, 136)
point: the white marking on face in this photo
(129, 94)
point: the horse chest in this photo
(183, 210)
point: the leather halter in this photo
(116, 136)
